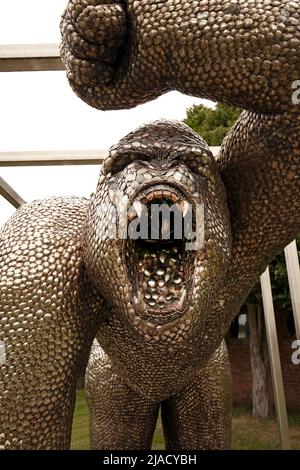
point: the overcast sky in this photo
(38, 111)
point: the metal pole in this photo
(279, 397)
(10, 195)
(30, 58)
(53, 158)
(292, 264)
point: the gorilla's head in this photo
(158, 238)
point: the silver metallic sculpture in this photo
(159, 312)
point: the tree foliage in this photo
(212, 124)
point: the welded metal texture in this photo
(49, 311)
(120, 54)
(156, 336)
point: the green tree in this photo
(212, 124)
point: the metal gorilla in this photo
(159, 313)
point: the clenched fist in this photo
(108, 63)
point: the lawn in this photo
(248, 432)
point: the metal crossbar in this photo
(30, 58)
(52, 158)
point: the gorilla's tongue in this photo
(161, 278)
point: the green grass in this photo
(80, 432)
(248, 432)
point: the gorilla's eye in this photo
(123, 161)
(144, 163)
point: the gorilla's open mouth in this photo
(159, 264)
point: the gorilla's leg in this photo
(120, 419)
(199, 417)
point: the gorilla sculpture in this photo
(159, 313)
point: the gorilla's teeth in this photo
(147, 273)
(132, 214)
(138, 206)
(160, 272)
(165, 227)
(162, 258)
(178, 280)
(184, 207)
(181, 302)
(140, 301)
(151, 283)
(167, 277)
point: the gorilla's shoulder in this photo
(56, 216)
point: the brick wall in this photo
(241, 369)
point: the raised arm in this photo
(259, 164)
(120, 54)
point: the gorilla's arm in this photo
(259, 164)
(49, 314)
(120, 54)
